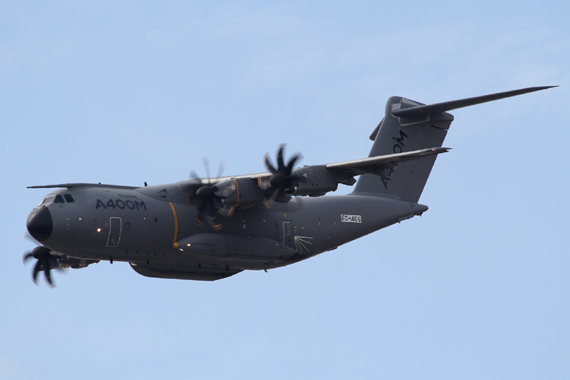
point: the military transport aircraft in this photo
(213, 228)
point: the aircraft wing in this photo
(372, 165)
(360, 165)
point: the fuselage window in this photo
(69, 198)
(59, 199)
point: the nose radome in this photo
(40, 224)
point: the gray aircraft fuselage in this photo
(209, 230)
(149, 226)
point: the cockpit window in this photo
(69, 198)
(59, 199)
(44, 202)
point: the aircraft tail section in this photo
(403, 134)
(409, 126)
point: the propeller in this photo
(206, 195)
(282, 179)
(45, 262)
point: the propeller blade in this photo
(209, 210)
(226, 210)
(282, 179)
(289, 167)
(268, 203)
(45, 262)
(194, 175)
(201, 212)
(36, 270)
(205, 195)
(280, 163)
(212, 223)
(221, 168)
(206, 163)
(268, 164)
(28, 256)
(47, 272)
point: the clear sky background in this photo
(130, 91)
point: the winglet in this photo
(430, 109)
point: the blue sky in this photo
(134, 91)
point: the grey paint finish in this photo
(238, 223)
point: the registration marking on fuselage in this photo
(350, 218)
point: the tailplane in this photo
(407, 126)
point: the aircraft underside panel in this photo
(176, 272)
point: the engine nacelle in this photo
(239, 192)
(317, 180)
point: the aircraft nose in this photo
(40, 224)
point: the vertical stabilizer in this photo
(403, 134)
(407, 126)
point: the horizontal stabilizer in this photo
(431, 109)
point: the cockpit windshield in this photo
(65, 198)
(44, 202)
(59, 198)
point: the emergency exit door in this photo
(115, 227)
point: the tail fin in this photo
(397, 135)
(408, 126)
